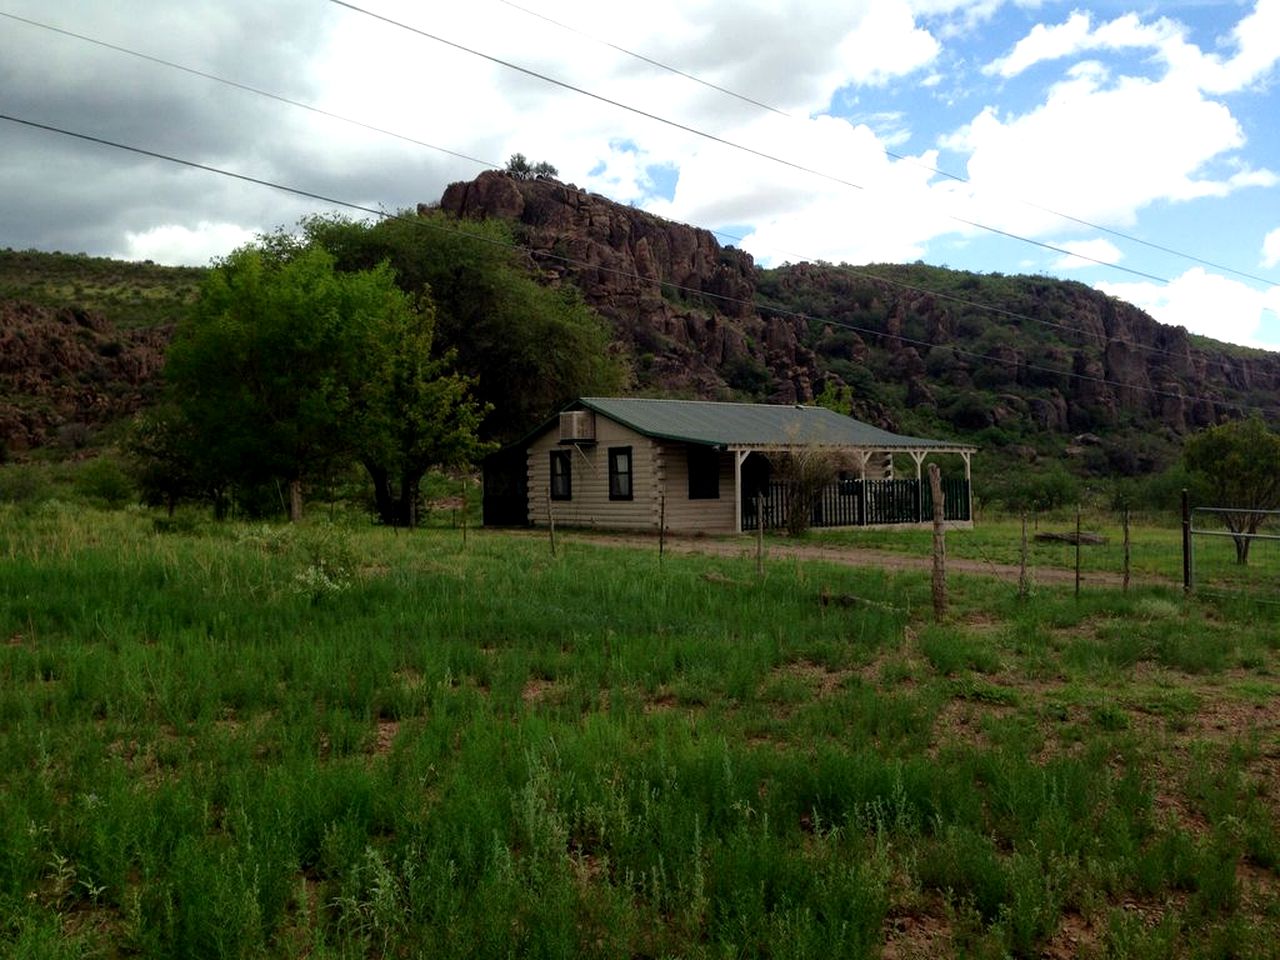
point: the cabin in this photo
(692, 466)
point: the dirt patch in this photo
(384, 737)
(960, 721)
(1075, 937)
(540, 690)
(815, 676)
(916, 937)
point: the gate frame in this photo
(1189, 533)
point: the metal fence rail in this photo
(1190, 532)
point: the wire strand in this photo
(312, 195)
(914, 161)
(695, 131)
(851, 271)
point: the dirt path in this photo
(853, 557)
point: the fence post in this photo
(1126, 549)
(1022, 570)
(1077, 551)
(1186, 541)
(939, 546)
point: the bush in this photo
(24, 483)
(103, 482)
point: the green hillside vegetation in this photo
(130, 294)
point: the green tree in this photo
(1240, 464)
(290, 368)
(417, 413)
(520, 168)
(531, 348)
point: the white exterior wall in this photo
(590, 505)
(692, 516)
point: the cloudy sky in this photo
(1132, 147)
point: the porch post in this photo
(918, 456)
(968, 481)
(738, 457)
(862, 487)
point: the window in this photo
(619, 473)
(704, 473)
(561, 475)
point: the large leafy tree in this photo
(531, 347)
(289, 368)
(1240, 464)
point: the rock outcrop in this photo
(682, 302)
(66, 371)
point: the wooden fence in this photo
(860, 503)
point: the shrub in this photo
(103, 482)
(24, 483)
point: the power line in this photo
(312, 195)
(361, 124)
(722, 140)
(676, 71)
(301, 105)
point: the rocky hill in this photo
(1036, 365)
(66, 372)
(1028, 367)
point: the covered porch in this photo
(861, 491)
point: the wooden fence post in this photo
(939, 546)
(1077, 550)
(1186, 541)
(1022, 570)
(1125, 518)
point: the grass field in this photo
(255, 741)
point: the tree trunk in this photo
(295, 501)
(383, 501)
(1242, 550)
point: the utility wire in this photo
(844, 268)
(301, 105)
(721, 140)
(546, 255)
(1080, 221)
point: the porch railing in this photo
(860, 503)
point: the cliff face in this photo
(1018, 355)
(682, 302)
(65, 371)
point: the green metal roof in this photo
(753, 424)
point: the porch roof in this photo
(756, 426)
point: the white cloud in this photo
(1101, 151)
(177, 245)
(1088, 253)
(1206, 303)
(1256, 42)
(887, 44)
(797, 215)
(1271, 249)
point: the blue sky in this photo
(1150, 123)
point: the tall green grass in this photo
(247, 740)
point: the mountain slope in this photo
(1028, 363)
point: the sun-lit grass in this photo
(247, 740)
